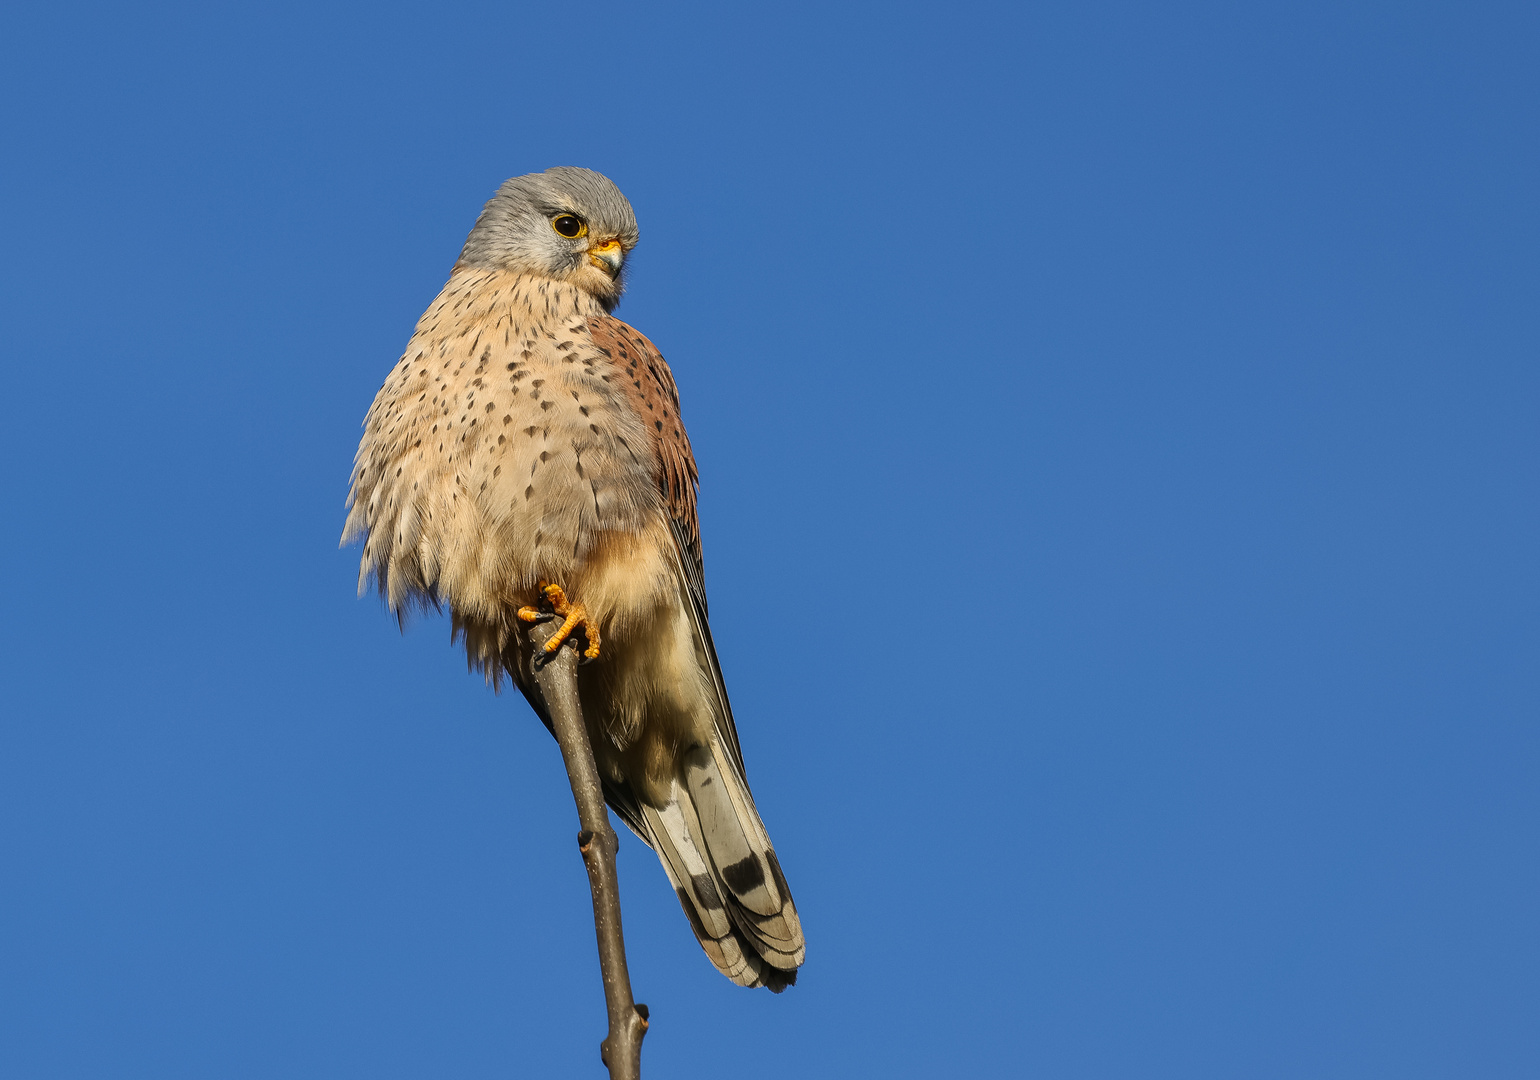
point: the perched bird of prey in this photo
(524, 461)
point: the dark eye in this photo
(569, 226)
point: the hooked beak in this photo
(607, 255)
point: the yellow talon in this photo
(573, 616)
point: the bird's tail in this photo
(719, 859)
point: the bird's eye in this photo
(569, 226)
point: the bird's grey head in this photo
(566, 223)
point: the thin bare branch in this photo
(621, 1049)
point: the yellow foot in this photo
(573, 616)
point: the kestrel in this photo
(525, 460)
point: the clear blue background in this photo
(1186, 354)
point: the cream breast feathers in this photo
(500, 448)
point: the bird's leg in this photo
(573, 616)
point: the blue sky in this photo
(1117, 431)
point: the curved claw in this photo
(574, 617)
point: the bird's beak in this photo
(607, 255)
